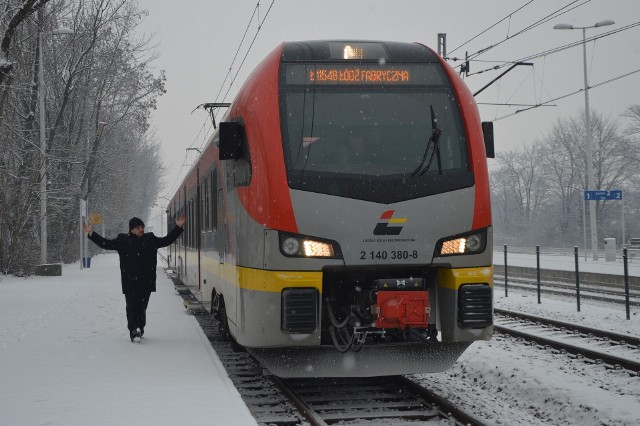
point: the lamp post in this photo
(162, 210)
(590, 178)
(43, 147)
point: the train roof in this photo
(362, 51)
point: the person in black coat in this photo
(138, 253)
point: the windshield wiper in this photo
(435, 138)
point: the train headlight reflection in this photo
(293, 245)
(470, 243)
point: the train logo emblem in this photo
(384, 227)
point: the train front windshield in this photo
(378, 133)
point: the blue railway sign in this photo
(603, 195)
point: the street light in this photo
(43, 147)
(163, 211)
(590, 179)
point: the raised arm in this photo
(173, 234)
(98, 239)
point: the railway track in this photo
(598, 346)
(393, 400)
(586, 291)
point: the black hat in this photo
(135, 222)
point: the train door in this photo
(197, 229)
(185, 242)
(224, 284)
(171, 248)
(228, 229)
(221, 222)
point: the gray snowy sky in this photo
(197, 41)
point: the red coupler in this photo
(402, 309)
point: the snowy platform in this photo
(67, 358)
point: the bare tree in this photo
(633, 114)
(552, 174)
(17, 14)
(524, 170)
(563, 154)
(99, 92)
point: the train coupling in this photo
(401, 303)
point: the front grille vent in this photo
(474, 306)
(300, 310)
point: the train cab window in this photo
(242, 166)
(355, 140)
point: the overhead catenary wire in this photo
(248, 50)
(492, 26)
(174, 186)
(558, 12)
(559, 48)
(202, 131)
(602, 83)
(256, 10)
(556, 50)
(233, 61)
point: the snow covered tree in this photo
(99, 91)
(537, 192)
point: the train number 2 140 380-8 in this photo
(391, 254)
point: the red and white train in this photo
(339, 220)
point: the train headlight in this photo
(293, 245)
(470, 243)
(290, 246)
(353, 52)
(317, 249)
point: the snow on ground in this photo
(508, 382)
(607, 316)
(549, 260)
(66, 358)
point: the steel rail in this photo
(314, 418)
(444, 405)
(272, 400)
(631, 340)
(572, 349)
(565, 290)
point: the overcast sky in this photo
(197, 41)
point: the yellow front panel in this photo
(276, 281)
(454, 278)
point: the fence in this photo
(562, 266)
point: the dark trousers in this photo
(137, 309)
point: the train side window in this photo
(183, 241)
(192, 209)
(202, 208)
(214, 199)
(190, 227)
(187, 236)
